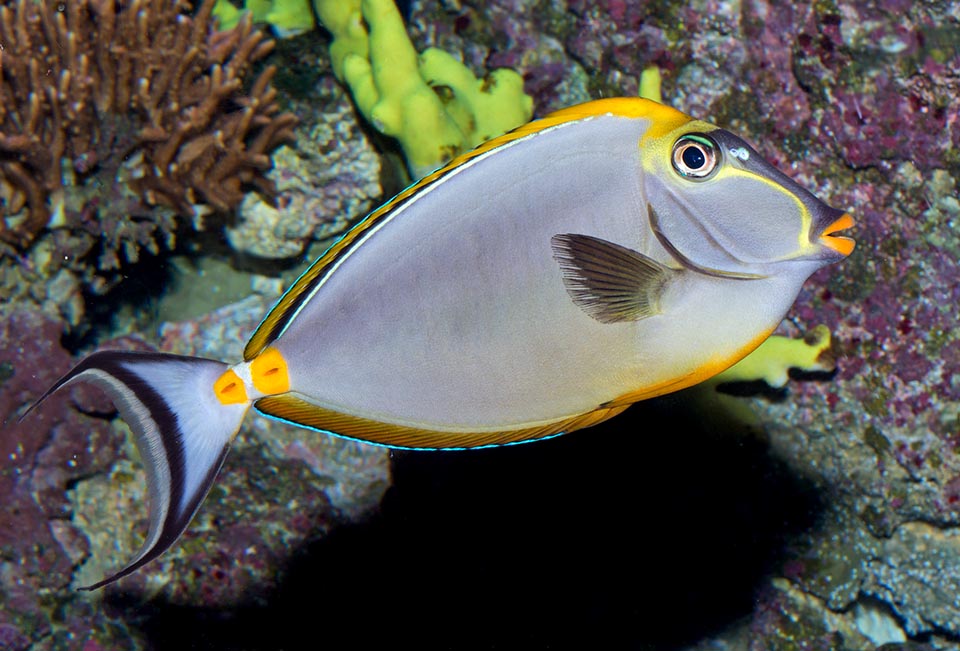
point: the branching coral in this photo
(109, 109)
(431, 103)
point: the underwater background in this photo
(820, 515)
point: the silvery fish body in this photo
(542, 283)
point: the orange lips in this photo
(839, 243)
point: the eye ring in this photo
(695, 156)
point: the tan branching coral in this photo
(110, 108)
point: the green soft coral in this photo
(286, 17)
(773, 359)
(650, 82)
(431, 103)
(391, 94)
(344, 20)
(770, 363)
(482, 108)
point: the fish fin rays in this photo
(300, 412)
(609, 282)
(182, 433)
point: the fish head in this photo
(718, 207)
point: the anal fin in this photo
(300, 412)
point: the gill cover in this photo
(721, 209)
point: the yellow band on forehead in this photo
(663, 119)
(673, 126)
(657, 141)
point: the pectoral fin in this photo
(609, 282)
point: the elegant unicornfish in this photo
(541, 283)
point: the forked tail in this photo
(182, 430)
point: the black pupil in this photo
(693, 157)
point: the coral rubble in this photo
(39, 460)
(326, 183)
(110, 110)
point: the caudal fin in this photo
(182, 431)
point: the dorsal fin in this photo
(299, 293)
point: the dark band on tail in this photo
(182, 433)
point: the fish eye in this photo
(694, 156)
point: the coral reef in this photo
(108, 111)
(39, 542)
(431, 103)
(856, 477)
(327, 182)
(852, 100)
(68, 471)
(281, 487)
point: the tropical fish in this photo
(607, 253)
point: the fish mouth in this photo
(839, 243)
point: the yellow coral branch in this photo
(772, 360)
(432, 104)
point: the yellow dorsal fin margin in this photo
(665, 119)
(295, 410)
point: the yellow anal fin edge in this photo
(299, 412)
(704, 372)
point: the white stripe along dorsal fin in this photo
(664, 118)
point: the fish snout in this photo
(829, 236)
